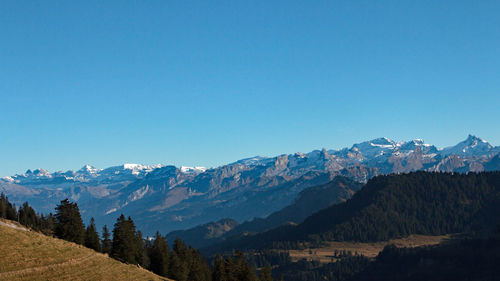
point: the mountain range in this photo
(166, 198)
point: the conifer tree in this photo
(3, 206)
(198, 267)
(27, 216)
(69, 224)
(159, 256)
(219, 271)
(106, 241)
(265, 274)
(124, 246)
(7, 209)
(47, 224)
(92, 240)
(242, 269)
(142, 257)
(178, 269)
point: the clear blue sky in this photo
(210, 82)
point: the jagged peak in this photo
(473, 138)
(88, 168)
(472, 145)
(382, 141)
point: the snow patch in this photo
(138, 194)
(192, 170)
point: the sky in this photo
(206, 83)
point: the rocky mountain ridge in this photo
(169, 198)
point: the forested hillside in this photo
(395, 206)
(309, 201)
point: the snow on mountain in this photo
(87, 174)
(375, 148)
(184, 196)
(88, 169)
(8, 179)
(472, 146)
(416, 144)
(252, 161)
(192, 170)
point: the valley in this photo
(168, 198)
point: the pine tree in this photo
(106, 241)
(219, 271)
(125, 246)
(159, 256)
(198, 267)
(27, 216)
(7, 210)
(178, 269)
(47, 224)
(141, 256)
(179, 261)
(3, 206)
(232, 270)
(265, 273)
(92, 240)
(69, 224)
(243, 271)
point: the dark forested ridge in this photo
(477, 259)
(309, 201)
(386, 207)
(469, 259)
(395, 206)
(416, 203)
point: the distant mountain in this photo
(472, 146)
(168, 198)
(205, 234)
(309, 201)
(395, 206)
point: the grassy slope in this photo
(28, 255)
(371, 250)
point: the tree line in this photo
(26, 216)
(393, 206)
(127, 245)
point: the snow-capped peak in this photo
(471, 146)
(412, 145)
(135, 169)
(89, 169)
(130, 166)
(375, 147)
(382, 142)
(256, 160)
(191, 170)
(8, 179)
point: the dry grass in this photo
(28, 255)
(326, 254)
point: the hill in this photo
(309, 201)
(29, 255)
(396, 206)
(184, 197)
